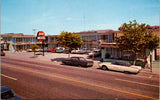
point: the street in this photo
(32, 79)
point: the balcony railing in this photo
(106, 41)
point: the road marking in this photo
(137, 82)
(9, 77)
(91, 84)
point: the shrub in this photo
(138, 63)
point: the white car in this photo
(120, 66)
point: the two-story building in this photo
(99, 39)
(112, 49)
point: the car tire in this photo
(63, 63)
(104, 67)
(126, 72)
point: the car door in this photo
(74, 61)
(115, 66)
(124, 67)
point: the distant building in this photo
(19, 41)
(95, 39)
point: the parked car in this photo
(120, 66)
(29, 50)
(78, 61)
(37, 50)
(66, 51)
(41, 49)
(2, 53)
(53, 49)
(82, 51)
(8, 94)
(95, 53)
(86, 50)
(74, 51)
(59, 49)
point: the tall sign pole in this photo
(41, 38)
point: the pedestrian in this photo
(147, 65)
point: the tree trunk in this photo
(69, 52)
(135, 58)
(34, 53)
(69, 55)
(151, 61)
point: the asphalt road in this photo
(31, 79)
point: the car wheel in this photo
(126, 72)
(104, 67)
(63, 63)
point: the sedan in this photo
(8, 94)
(78, 61)
(2, 53)
(120, 66)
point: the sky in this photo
(55, 16)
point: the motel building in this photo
(103, 40)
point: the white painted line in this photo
(137, 83)
(9, 77)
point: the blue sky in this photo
(54, 16)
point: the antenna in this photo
(84, 23)
(34, 31)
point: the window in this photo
(18, 39)
(84, 37)
(26, 39)
(98, 37)
(93, 37)
(110, 38)
(74, 58)
(34, 39)
(14, 40)
(31, 39)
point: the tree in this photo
(34, 47)
(69, 40)
(152, 42)
(135, 40)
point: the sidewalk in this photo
(155, 69)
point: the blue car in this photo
(7, 93)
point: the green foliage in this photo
(34, 47)
(69, 40)
(138, 63)
(152, 41)
(133, 37)
(135, 40)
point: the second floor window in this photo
(110, 38)
(92, 37)
(84, 37)
(18, 39)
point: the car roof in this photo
(121, 61)
(77, 57)
(4, 89)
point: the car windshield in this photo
(7, 95)
(121, 63)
